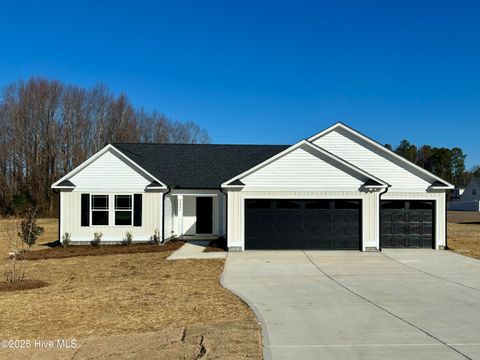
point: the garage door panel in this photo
(427, 217)
(302, 224)
(407, 223)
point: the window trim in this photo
(111, 210)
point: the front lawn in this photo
(464, 232)
(175, 308)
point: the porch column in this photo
(180, 216)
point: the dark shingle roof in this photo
(66, 183)
(197, 166)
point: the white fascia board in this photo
(290, 149)
(96, 156)
(381, 147)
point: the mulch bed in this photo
(88, 250)
(217, 245)
(22, 285)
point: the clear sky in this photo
(267, 72)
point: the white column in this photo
(180, 216)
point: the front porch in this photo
(195, 214)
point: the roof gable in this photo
(375, 158)
(108, 164)
(304, 164)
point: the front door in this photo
(204, 215)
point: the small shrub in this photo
(127, 240)
(155, 238)
(29, 230)
(97, 238)
(66, 240)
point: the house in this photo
(457, 192)
(335, 190)
(469, 199)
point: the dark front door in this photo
(204, 215)
(302, 224)
(407, 223)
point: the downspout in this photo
(226, 214)
(59, 213)
(380, 217)
(163, 213)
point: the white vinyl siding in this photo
(303, 168)
(151, 219)
(169, 215)
(112, 173)
(373, 160)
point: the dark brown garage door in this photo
(407, 224)
(302, 224)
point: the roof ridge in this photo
(149, 143)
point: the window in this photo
(259, 204)
(100, 210)
(347, 204)
(474, 191)
(287, 204)
(421, 205)
(317, 204)
(123, 210)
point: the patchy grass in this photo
(464, 232)
(107, 302)
(217, 245)
(60, 252)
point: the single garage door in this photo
(407, 223)
(302, 224)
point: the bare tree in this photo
(48, 128)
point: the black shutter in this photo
(137, 210)
(85, 210)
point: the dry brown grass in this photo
(98, 296)
(464, 232)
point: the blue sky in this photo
(267, 72)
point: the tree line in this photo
(449, 164)
(47, 128)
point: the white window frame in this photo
(114, 209)
(92, 209)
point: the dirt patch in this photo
(217, 245)
(464, 232)
(88, 250)
(26, 284)
(223, 340)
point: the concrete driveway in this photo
(397, 304)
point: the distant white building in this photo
(469, 198)
(457, 192)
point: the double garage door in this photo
(334, 224)
(302, 224)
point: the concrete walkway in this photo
(194, 250)
(398, 304)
